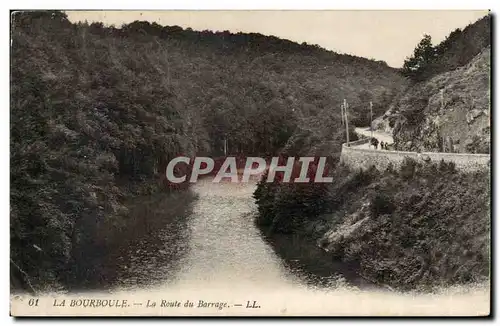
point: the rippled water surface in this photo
(217, 244)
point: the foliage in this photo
(426, 225)
(447, 107)
(284, 206)
(381, 204)
(427, 228)
(97, 113)
(478, 145)
(455, 51)
(287, 207)
(423, 55)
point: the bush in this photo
(381, 204)
(284, 207)
(408, 168)
(264, 197)
(447, 167)
(478, 146)
(429, 227)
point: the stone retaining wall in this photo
(363, 158)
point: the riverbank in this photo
(113, 255)
(315, 267)
(422, 227)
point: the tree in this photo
(423, 55)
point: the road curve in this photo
(381, 136)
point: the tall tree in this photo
(423, 55)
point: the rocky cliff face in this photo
(447, 113)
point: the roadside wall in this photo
(356, 157)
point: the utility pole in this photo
(342, 113)
(346, 106)
(371, 118)
(225, 145)
(443, 140)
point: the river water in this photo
(222, 255)
(217, 245)
(216, 254)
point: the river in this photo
(222, 252)
(216, 254)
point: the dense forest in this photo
(97, 112)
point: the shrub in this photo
(408, 168)
(381, 204)
(447, 167)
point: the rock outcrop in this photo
(448, 113)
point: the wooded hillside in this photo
(97, 112)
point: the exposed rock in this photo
(352, 225)
(455, 123)
(472, 115)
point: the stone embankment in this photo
(358, 154)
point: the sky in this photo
(390, 36)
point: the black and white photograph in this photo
(331, 163)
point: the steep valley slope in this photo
(448, 113)
(447, 108)
(421, 226)
(98, 111)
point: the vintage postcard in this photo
(250, 163)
